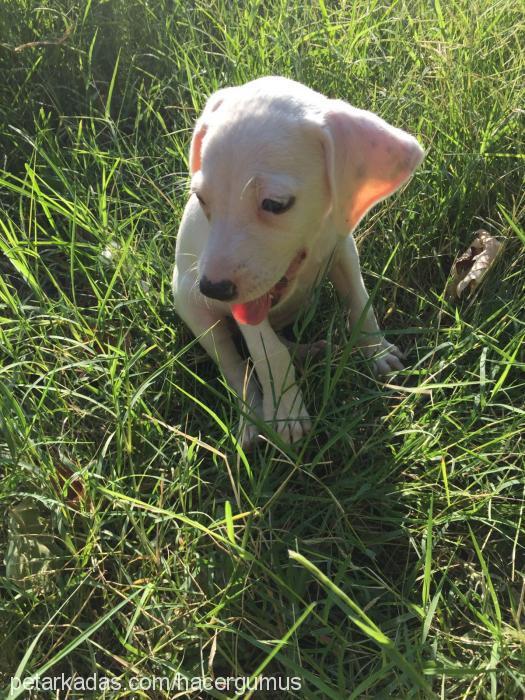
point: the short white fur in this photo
(275, 138)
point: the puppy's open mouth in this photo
(255, 311)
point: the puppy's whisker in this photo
(252, 179)
(194, 267)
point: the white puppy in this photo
(280, 177)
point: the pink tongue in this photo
(253, 312)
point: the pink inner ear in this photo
(371, 159)
(370, 193)
(195, 150)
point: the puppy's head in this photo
(270, 161)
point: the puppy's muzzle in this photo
(225, 290)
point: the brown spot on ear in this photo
(373, 143)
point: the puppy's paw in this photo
(386, 358)
(248, 432)
(293, 429)
(303, 352)
(290, 419)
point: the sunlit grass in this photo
(382, 555)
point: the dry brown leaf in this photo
(471, 267)
(75, 486)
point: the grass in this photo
(383, 555)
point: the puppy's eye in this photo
(276, 206)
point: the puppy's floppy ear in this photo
(214, 102)
(367, 160)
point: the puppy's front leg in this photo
(282, 400)
(346, 277)
(214, 336)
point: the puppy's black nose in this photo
(225, 290)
